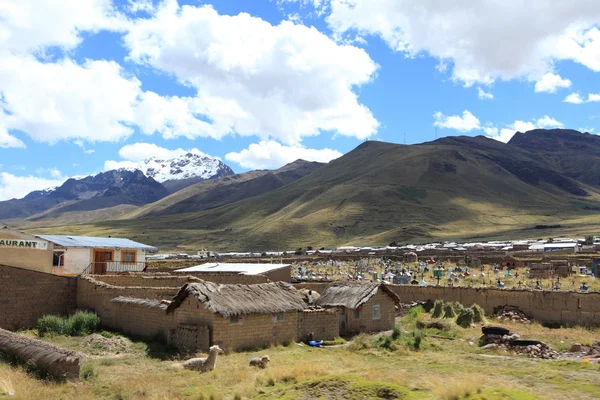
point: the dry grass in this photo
(443, 369)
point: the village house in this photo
(18, 249)
(240, 316)
(75, 255)
(361, 307)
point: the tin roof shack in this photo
(25, 251)
(274, 272)
(75, 255)
(240, 316)
(362, 307)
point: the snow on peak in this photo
(184, 166)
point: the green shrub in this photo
(465, 318)
(87, 372)
(82, 323)
(51, 325)
(457, 307)
(438, 309)
(388, 344)
(79, 324)
(361, 342)
(396, 332)
(415, 312)
(418, 339)
(449, 311)
(478, 314)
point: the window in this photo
(376, 312)
(128, 256)
(278, 317)
(357, 314)
(58, 259)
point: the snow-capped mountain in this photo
(185, 166)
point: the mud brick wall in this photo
(146, 280)
(95, 295)
(323, 324)
(136, 319)
(560, 307)
(27, 295)
(190, 338)
(228, 278)
(366, 323)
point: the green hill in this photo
(453, 188)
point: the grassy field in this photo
(446, 366)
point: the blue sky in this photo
(261, 83)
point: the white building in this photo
(75, 255)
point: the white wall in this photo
(76, 260)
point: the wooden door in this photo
(101, 257)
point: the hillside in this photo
(453, 188)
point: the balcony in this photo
(111, 267)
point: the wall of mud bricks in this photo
(161, 280)
(27, 295)
(552, 307)
(323, 324)
(226, 278)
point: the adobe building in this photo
(21, 250)
(362, 308)
(75, 255)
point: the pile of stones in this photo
(509, 313)
(499, 338)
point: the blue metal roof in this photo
(95, 242)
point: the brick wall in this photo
(562, 307)
(365, 322)
(229, 278)
(27, 295)
(146, 280)
(323, 324)
(139, 320)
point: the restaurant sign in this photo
(23, 244)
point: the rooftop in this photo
(242, 268)
(95, 242)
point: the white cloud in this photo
(551, 82)
(34, 25)
(483, 95)
(574, 98)
(482, 40)
(67, 101)
(271, 154)
(13, 186)
(593, 97)
(7, 140)
(283, 81)
(465, 123)
(505, 134)
(133, 154)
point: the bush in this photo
(79, 324)
(465, 318)
(396, 332)
(478, 314)
(457, 307)
(361, 342)
(438, 309)
(418, 339)
(449, 311)
(82, 323)
(388, 343)
(87, 372)
(51, 325)
(415, 312)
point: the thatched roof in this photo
(150, 303)
(229, 300)
(352, 295)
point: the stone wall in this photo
(323, 324)
(27, 295)
(560, 307)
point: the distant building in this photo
(21, 250)
(75, 255)
(411, 257)
(274, 272)
(568, 247)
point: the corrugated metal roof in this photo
(95, 242)
(248, 269)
